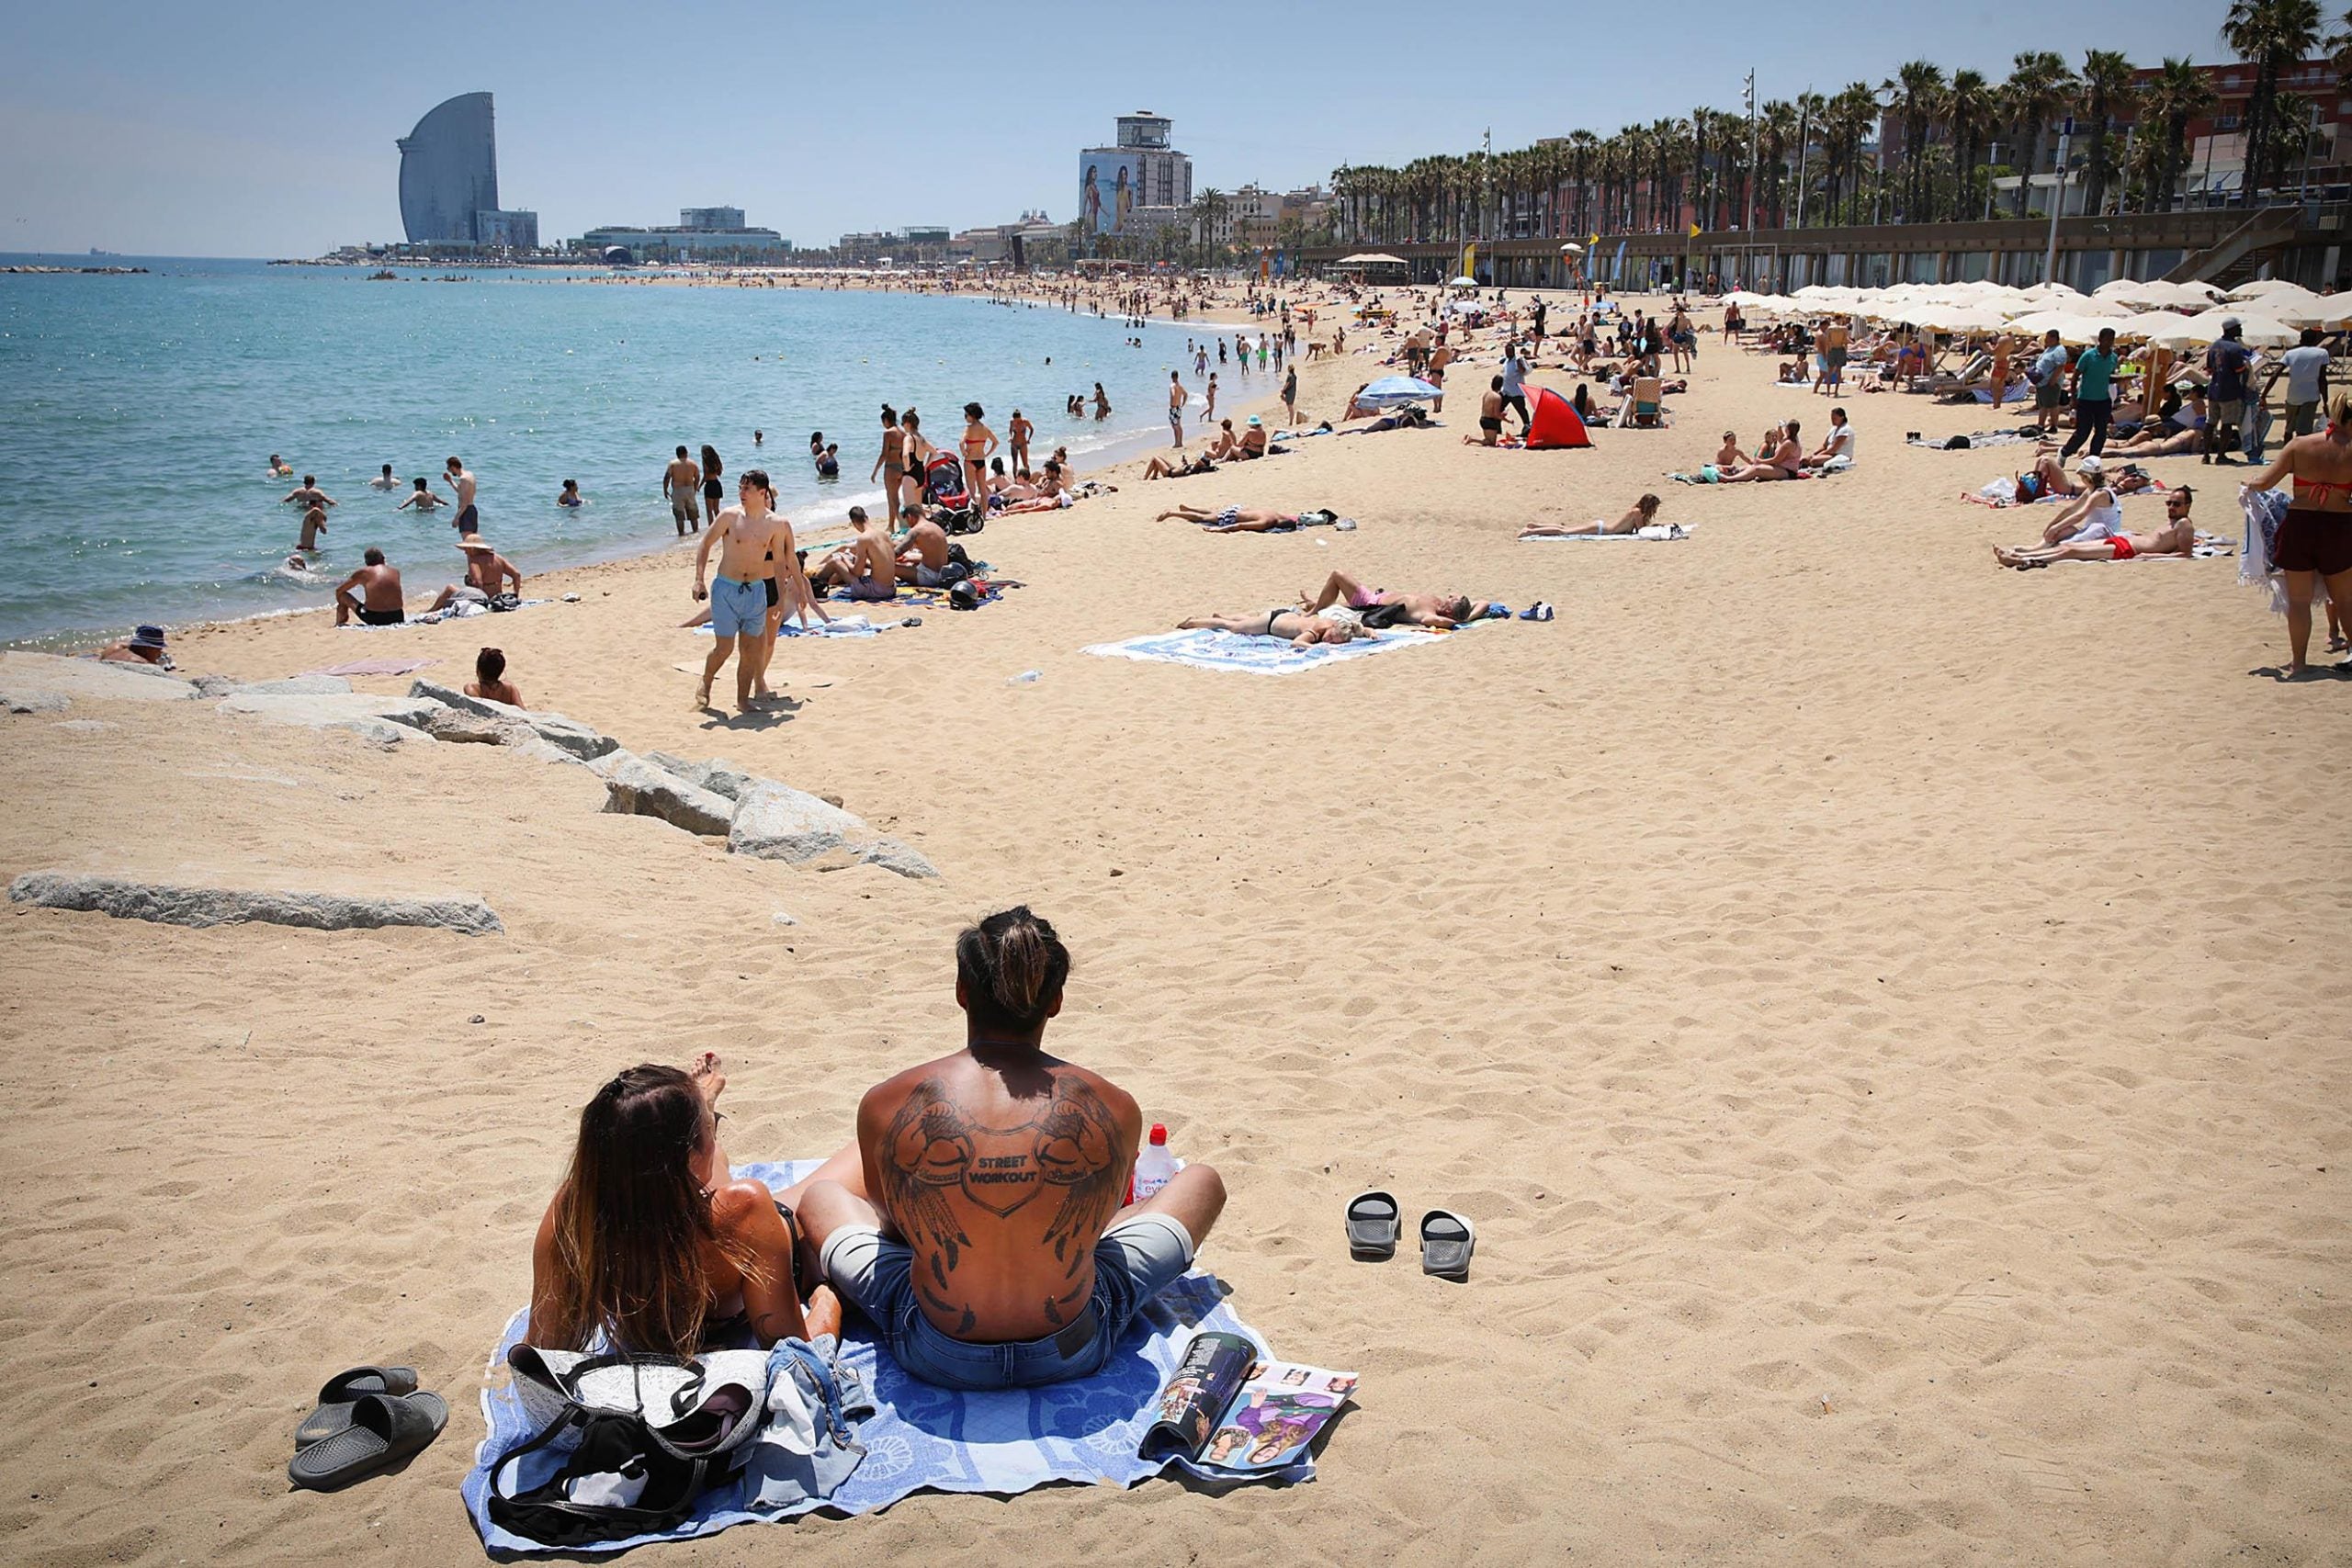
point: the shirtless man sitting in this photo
(1440, 612)
(377, 601)
(1297, 627)
(487, 572)
(865, 566)
(922, 548)
(976, 1222)
(2175, 538)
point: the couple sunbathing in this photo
(1324, 617)
(2100, 535)
(979, 1219)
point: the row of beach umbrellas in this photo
(2270, 311)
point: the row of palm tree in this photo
(1921, 146)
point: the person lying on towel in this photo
(2177, 537)
(980, 1220)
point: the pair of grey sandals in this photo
(367, 1419)
(1375, 1220)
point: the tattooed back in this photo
(1000, 1178)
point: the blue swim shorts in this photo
(737, 609)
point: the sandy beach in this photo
(1875, 1006)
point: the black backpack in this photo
(626, 1479)
(610, 1446)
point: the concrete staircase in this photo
(2241, 253)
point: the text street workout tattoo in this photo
(946, 1172)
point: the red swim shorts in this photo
(2123, 550)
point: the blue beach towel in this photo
(921, 1437)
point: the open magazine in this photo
(1227, 1409)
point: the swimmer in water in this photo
(570, 496)
(421, 497)
(314, 523)
(384, 480)
(279, 468)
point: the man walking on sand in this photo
(458, 479)
(747, 536)
(1175, 409)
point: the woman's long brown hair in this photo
(633, 1223)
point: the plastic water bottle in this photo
(1026, 678)
(1154, 1165)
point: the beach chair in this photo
(1649, 404)
(1970, 376)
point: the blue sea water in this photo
(138, 414)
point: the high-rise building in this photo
(449, 181)
(1142, 171)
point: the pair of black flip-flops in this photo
(1375, 1220)
(367, 1419)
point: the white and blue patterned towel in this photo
(922, 1437)
(1208, 650)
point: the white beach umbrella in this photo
(1962, 318)
(2327, 311)
(2149, 325)
(2199, 331)
(2265, 285)
(2070, 326)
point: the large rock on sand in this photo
(552, 727)
(294, 686)
(45, 683)
(774, 821)
(173, 906)
(892, 855)
(719, 776)
(386, 721)
(635, 787)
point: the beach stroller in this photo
(957, 510)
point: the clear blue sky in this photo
(265, 128)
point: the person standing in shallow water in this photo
(714, 491)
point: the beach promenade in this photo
(1885, 1014)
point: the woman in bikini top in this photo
(649, 1247)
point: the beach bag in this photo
(508, 601)
(648, 1435)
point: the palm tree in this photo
(1919, 88)
(2106, 84)
(1776, 139)
(2271, 35)
(2339, 51)
(1209, 208)
(2038, 83)
(2177, 95)
(1972, 107)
